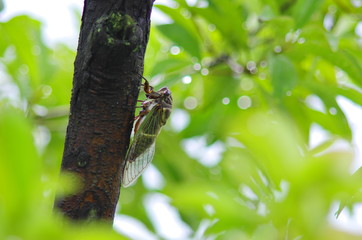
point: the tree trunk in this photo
(106, 82)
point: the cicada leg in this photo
(139, 118)
(146, 86)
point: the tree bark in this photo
(106, 81)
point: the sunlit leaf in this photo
(340, 58)
(31, 65)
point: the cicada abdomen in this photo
(156, 110)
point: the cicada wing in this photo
(135, 167)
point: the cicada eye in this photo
(167, 92)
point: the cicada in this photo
(156, 109)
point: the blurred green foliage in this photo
(243, 74)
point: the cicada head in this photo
(164, 105)
(166, 97)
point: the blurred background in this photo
(265, 137)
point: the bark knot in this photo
(118, 29)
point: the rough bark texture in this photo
(106, 82)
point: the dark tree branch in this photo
(106, 82)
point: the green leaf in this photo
(329, 123)
(283, 23)
(229, 19)
(317, 44)
(31, 66)
(191, 198)
(272, 140)
(284, 75)
(1, 5)
(340, 58)
(60, 82)
(19, 167)
(182, 32)
(350, 93)
(182, 37)
(168, 66)
(355, 197)
(337, 122)
(348, 7)
(303, 11)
